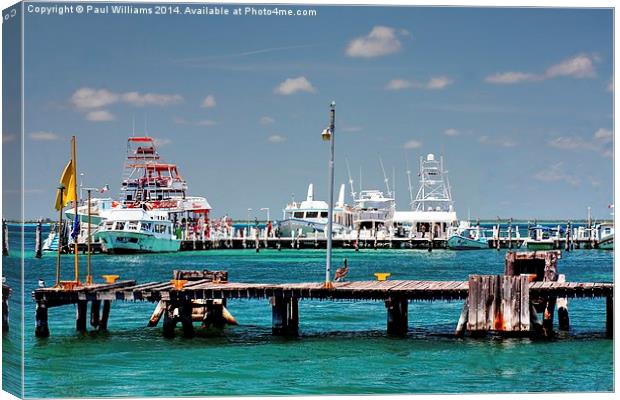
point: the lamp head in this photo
(326, 135)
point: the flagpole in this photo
(75, 241)
(59, 233)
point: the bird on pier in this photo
(342, 272)
(41, 283)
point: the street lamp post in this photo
(329, 135)
(247, 228)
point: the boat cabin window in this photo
(312, 214)
(147, 226)
(298, 214)
(132, 225)
(109, 225)
(159, 228)
(323, 214)
(120, 225)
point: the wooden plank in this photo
(524, 305)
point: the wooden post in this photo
(170, 321)
(105, 315)
(214, 314)
(462, 324)
(285, 316)
(80, 316)
(567, 244)
(562, 304)
(548, 317)
(157, 313)
(95, 307)
(41, 329)
(510, 233)
(609, 316)
(38, 243)
(5, 238)
(185, 316)
(397, 316)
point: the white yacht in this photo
(432, 208)
(605, 235)
(311, 216)
(135, 230)
(374, 213)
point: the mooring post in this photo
(38, 243)
(170, 321)
(80, 316)
(285, 316)
(609, 316)
(567, 238)
(105, 315)
(185, 316)
(5, 238)
(462, 324)
(548, 317)
(214, 314)
(562, 305)
(95, 307)
(397, 316)
(41, 329)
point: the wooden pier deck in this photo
(177, 304)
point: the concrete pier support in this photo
(397, 316)
(41, 329)
(285, 316)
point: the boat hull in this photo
(136, 242)
(457, 242)
(607, 243)
(535, 245)
(290, 226)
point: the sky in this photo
(518, 101)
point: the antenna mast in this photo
(350, 179)
(385, 179)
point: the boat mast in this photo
(350, 179)
(385, 178)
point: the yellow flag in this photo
(68, 181)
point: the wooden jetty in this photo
(507, 303)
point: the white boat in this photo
(374, 213)
(605, 234)
(432, 208)
(466, 237)
(311, 216)
(541, 238)
(137, 231)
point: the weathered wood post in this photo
(6, 293)
(562, 304)
(498, 243)
(41, 329)
(5, 238)
(397, 316)
(609, 316)
(170, 321)
(567, 238)
(285, 316)
(80, 315)
(157, 313)
(38, 243)
(185, 316)
(105, 315)
(214, 315)
(510, 233)
(95, 307)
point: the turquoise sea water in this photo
(342, 349)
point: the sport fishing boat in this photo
(466, 237)
(311, 216)
(373, 213)
(605, 234)
(136, 230)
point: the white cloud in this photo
(44, 136)
(85, 98)
(398, 84)
(451, 132)
(88, 98)
(206, 122)
(604, 135)
(434, 83)
(508, 78)
(146, 99)
(351, 129)
(412, 144)
(100, 116)
(439, 82)
(580, 66)
(208, 102)
(381, 41)
(569, 143)
(294, 85)
(497, 141)
(556, 173)
(266, 120)
(276, 139)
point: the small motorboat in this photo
(468, 238)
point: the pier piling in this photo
(562, 305)
(6, 293)
(397, 316)
(41, 329)
(105, 315)
(38, 243)
(285, 316)
(5, 238)
(95, 308)
(80, 316)
(609, 316)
